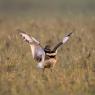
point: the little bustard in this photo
(45, 57)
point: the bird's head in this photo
(47, 48)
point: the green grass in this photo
(73, 75)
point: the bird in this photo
(44, 56)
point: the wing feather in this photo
(65, 39)
(27, 37)
(37, 50)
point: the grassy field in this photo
(73, 75)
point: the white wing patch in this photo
(65, 39)
(26, 37)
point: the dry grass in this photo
(73, 75)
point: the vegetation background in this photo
(48, 21)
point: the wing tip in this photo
(21, 34)
(70, 34)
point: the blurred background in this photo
(40, 7)
(48, 21)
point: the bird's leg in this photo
(52, 67)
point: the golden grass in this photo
(73, 75)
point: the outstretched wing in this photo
(37, 50)
(65, 39)
(27, 37)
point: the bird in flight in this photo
(44, 56)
